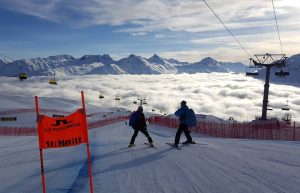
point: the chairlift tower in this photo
(142, 100)
(267, 60)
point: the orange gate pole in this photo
(88, 147)
(41, 150)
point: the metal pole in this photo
(266, 94)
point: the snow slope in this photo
(215, 165)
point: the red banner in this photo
(63, 131)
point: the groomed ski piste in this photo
(214, 165)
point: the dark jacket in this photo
(182, 113)
(140, 121)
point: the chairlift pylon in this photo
(287, 119)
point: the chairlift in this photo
(252, 70)
(134, 102)
(22, 76)
(53, 80)
(117, 97)
(144, 101)
(286, 107)
(282, 73)
(269, 108)
(101, 95)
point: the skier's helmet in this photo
(140, 108)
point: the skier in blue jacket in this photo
(182, 114)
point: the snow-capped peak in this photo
(61, 58)
(208, 61)
(156, 59)
(106, 59)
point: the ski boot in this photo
(189, 142)
(131, 145)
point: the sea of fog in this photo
(221, 94)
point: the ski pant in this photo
(185, 129)
(144, 131)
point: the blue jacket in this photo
(182, 113)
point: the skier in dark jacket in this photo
(140, 125)
(182, 114)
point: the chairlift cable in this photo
(277, 27)
(227, 29)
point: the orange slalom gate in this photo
(63, 132)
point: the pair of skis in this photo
(171, 144)
(176, 146)
(183, 144)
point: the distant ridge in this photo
(103, 64)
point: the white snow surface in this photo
(214, 165)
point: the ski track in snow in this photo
(222, 165)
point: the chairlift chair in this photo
(282, 73)
(286, 107)
(101, 95)
(252, 70)
(117, 97)
(53, 80)
(144, 101)
(22, 76)
(282, 65)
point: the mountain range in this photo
(65, 65)
(104, 64)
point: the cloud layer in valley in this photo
(222, 95)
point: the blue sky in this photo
(182, 29)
